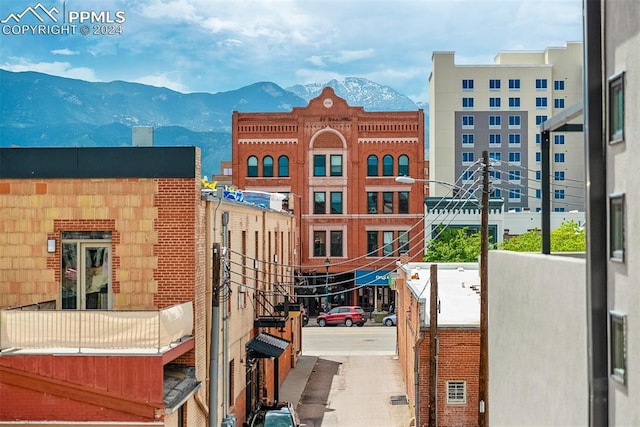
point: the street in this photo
(354, 378)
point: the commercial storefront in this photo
(374, 291)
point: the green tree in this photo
(454, 245)
(569, 237)
(531, 241)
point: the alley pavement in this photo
(336, 389)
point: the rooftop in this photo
(458, 292)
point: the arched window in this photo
(372, 165)
(403, 165)
(387, 165)
(252, 166)
(283, 166)
(267, 166)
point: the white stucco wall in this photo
(537, 340)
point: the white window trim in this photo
(462, 401)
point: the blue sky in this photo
(213, 46)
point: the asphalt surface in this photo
(347, 377)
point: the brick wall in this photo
(458, 360)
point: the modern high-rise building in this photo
(498, 108)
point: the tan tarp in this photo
(95, 329)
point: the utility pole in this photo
(433, 348)
(483, 377)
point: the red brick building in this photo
(458, 342)
(338, 165)
(106, 291)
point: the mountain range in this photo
(41, 110)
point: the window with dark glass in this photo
(387, 242)
(336, 243)
(403, 242)
(319, 165)
(514, 83)
(387, 165)
(372, 243)
(494, 84)
(372, 202)
(387, 202)
(252, 166)
(372, 165)
(616, 227)
(467, 139)
(403, 165)
(319, 243)
(403, 202)
(319, 202)
(336, 202)
(618, 346)
(283, 166)
(336, 165)
(267, 166)
(616, 108)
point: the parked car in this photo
(347, 315)
(279, 415)
(390, 320)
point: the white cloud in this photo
(345, 56)
(61, 69)
(316, 60)
(162, 80)
(66, 52)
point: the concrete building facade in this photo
(107, 284)
(498, 108)
(537, 340)
(621, 76)
(337, 164)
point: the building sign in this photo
(373, 277)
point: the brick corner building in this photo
(338, 165)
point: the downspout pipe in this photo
(416, 376)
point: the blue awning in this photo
(372, 277)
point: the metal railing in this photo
(95, 330)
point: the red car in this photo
(349, 315)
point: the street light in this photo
(410, 180)
(326, 286)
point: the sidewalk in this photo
(293, 386)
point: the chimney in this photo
(142, 136)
